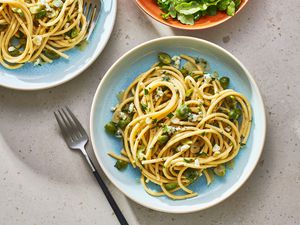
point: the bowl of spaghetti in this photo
(45, 43)
(186, 129)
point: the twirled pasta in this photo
(172, 149)
(39, 30)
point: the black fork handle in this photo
(110, 198)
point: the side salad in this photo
(189, 11)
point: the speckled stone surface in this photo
(43, 183)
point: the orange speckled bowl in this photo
(151, 8)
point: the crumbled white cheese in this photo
(170, 129)
(159, 93)
(131, 108)
(114, 108)
(177, 128)
(183, 147)
(122, 115)
(48, 8)
(176, 59)
(207, 77)
(175, 120)
(215, 75)
(216, 148)
(118, 133)
(227, 129)
(57, 3)
(11, 48)
(148, 120)
(37, 62)
(197, 163)
(200, 113)
(192, 117)
(37, 40)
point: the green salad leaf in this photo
(189, 11)
(189, 8)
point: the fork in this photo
(76, 139)
(91, 10)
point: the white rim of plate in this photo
(236, 186)
(79, 71)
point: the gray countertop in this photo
(42, 182)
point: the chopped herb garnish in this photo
(191, 174)
(144, 106)
(184, 71)
(188, 160)
(166, 78)
(51, 54)
(170, 115)
(202, 154)
(242, 145)
(146, 92)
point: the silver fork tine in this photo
(62, 128)
(76, 132)
(69, 129)
(92, 22)
(78, 124)
(91, 12)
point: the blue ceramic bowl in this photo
(31, 77)
(124, 71)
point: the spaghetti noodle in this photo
(177, 124)
(39, 30)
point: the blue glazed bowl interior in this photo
(124, 72)
(31, 77)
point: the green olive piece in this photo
(41, 14)
(171, 186)
(183, 111)
(184, 71)
(164, 58)
(189, 92)
(121, 165)
(234, 114)
(15, 52)
(231, 101)
(220, 170)
(224, 81)
(111, 128)
(163, 139)
(191, 174)
(51, 54)
(123, 123)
